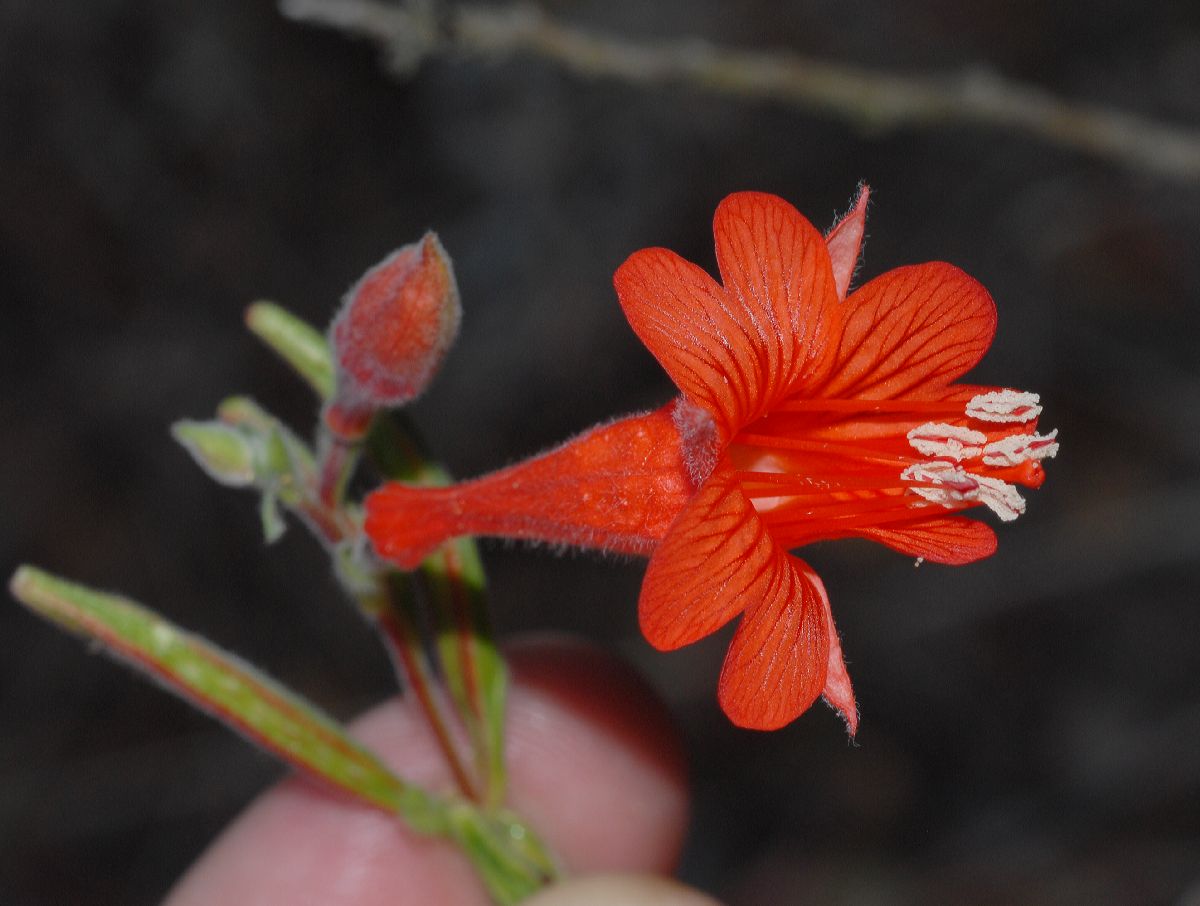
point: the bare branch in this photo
(873, 100)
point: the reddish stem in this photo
(324, 522)
(401, 638)
(335, 456)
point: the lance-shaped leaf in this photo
(471, 663)
(224, 451)
(296, 342)
(512, 861)
(231, 691)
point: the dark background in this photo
(1030, 725)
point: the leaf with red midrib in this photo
(230, 690)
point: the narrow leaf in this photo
(471, 662)
(223, 451)
(273, 524)
(279, 454)
(231, 691)
(296, 341)
(242, 411)
(512, 861)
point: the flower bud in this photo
(394, 327)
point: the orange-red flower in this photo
(805, 414)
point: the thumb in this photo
(620, 890)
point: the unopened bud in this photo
(391, 334)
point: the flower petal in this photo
(912, 329)
(716, 559)
(683, 317)
(776, 269)
(779, 657)
(838, 693)
(735, 350)
(844, 241)
(953, 540)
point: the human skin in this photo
(595, 766)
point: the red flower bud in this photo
(394, 327)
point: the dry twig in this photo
(410, 32)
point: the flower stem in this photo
(403, 642)
(335, 466)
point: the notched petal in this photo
(953, 540)
(911, 330)
(778, 660)
(680, 313)
(776, 270)
(717, 557)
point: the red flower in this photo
(804, 415)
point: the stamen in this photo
(954, 487)
(815, 483)
(841, 511)
(1001, 498)
(942, 482)
(794, 530)
(811, 486)
(1018, 448)
(1004, 406)
(947, 441)
(931, 407)
(827, 448)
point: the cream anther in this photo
(1001, 498)
(954, 487)
(947, 441)
(1017, 448)
(952, 484)
(1004, 406)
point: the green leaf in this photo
(273, 524)
(393, 449)
(512, 861)
(226, 453)
(472, 665)
(231, 691)
(280, 458)
(242, 411)
(296, 341)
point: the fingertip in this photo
(595, 759)
(620, 890)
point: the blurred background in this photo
(1030, 725)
